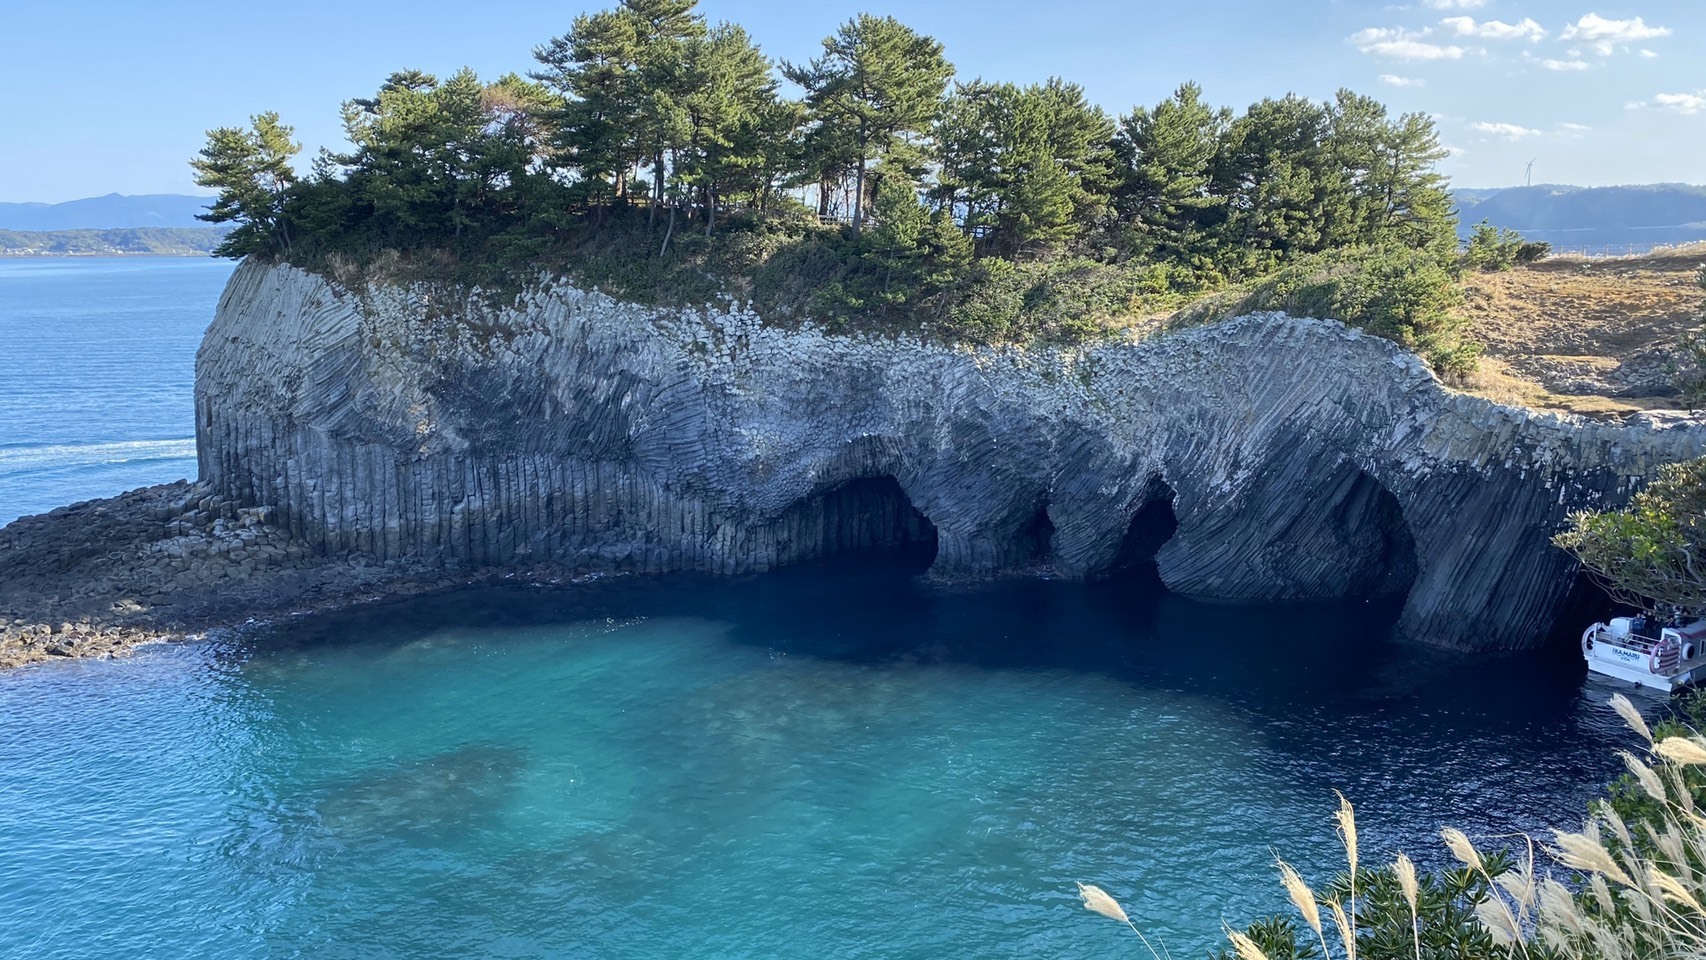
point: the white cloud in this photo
(1453, 4)
(1689, 103)
(1456, 151)
(1648, 53)
(1396, 44)
(1507, 131)
(1604, 35)
(1565, 65)
(1495, 29)
(1392, 79)
(1576, 127)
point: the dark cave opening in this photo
(1151, 526)
(864, 520)
(1033, 542)
(1383, 551)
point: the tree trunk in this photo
(710, 209)
(657, 185)
(668, 233)
(859, 197)
(823, 188)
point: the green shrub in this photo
(1490, 248)
(1405, 295)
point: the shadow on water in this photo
(1338, 656)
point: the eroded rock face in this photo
(1300, 459)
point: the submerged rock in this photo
(1297, 458)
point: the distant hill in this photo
(113, 211)
(125, 241)
(1597, 219)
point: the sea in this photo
(831, 761)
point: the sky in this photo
(115, 96)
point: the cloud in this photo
(1392, 79)
(1576, 127)
(1507, 131)
(1397, 44)
(1453, 4)
(1456, 151)
(1495, 29)
(1689, 103)
(1647, 53)
(1604, 35)
(1565, 65)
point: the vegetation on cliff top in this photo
(655, 154)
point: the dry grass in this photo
(1590, 336)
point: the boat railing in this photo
(1634, 641)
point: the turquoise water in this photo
(824, 762)
(96, 391)
(805, 764)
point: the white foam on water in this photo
(29, 459)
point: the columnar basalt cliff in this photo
(1297, 458)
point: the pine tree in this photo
(872, 95)
(1031, 165)
(1167, 201)
(251, 170)
(1282, 188)
(730, 105)
(593, 68)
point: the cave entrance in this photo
(1033, 542)
(867, 520)
(1380, 553)
(1150, 528)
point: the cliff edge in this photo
(1263, 458)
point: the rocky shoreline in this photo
(174, 562)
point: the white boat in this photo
(1647, 651)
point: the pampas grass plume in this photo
(1631, 716)
(1497, 920)
(1682, 751)
(1646, 776)
(1406, 873)
(1302, 897)
(1096, 900)
(1462, 849)
(1347, 818)
(1585, 852)
(1244, 946)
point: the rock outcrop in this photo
(1263, 458)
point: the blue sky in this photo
(115, 96)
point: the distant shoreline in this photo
(95, 255)
(115, 242)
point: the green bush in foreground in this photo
(1629, 885)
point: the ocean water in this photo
(98, 373)
(824, 762)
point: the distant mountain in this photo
(1597, 219)
(113, 211)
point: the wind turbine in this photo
(1528, 176)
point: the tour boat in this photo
(1647, 651)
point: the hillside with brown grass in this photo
(1591, 336)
